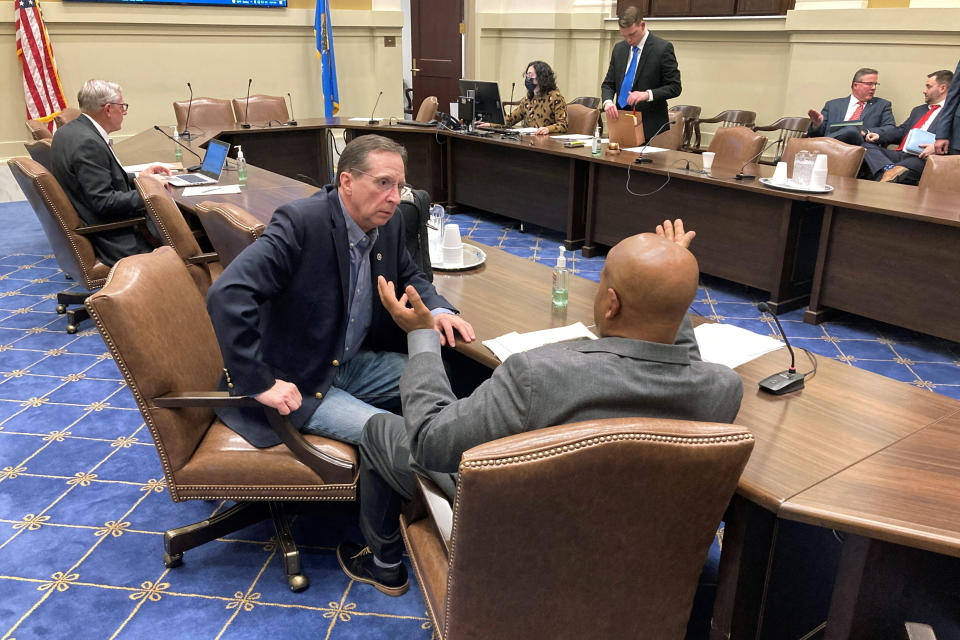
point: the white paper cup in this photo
(780, 173)
(708, 160)
(451, 236)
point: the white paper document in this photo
(137, 168)
(364, 119)
(642, 149)
(731, 345)
(524, 130)
(573, 136)
(211, 191)
(513, 342)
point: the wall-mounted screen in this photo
(268, 4)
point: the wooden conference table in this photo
(830, 455)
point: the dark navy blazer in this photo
(876, 113)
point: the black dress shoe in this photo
(357, 562)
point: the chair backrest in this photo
(672, 138)
(842, 159)
(67, 115)
(689, 113)
(263, 108)
(173, 229)
(786, 129)
(154, 320)
(428, 109)
(582, 119)
(614, 515)
(229, 228)
(204, 111)
(74, 252)
(735, 145)
(38, 130)
(941, 173)
(39, 150)
(736, 118)
(588, 101)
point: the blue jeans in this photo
(366, 385)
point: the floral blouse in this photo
(548, 110)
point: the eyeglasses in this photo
(869, 84)
(123, 106)
(384, 184)
(532, 76)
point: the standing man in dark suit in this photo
(948, 127)
(896, 165)
(643, 73)
(645, 363)
(86, 167)
(859, 106)
(297, 316)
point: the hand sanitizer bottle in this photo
(177, 151)
(241, 167)
(595, 144)
(561, 280)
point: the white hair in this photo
(96, 93)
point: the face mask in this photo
(529, 84)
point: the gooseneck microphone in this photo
(177, 141)
(246, 108)
(292, 122)
(640, 159)
(513, 85)
(742, 176)
(786, 381)
(185, 134)
(372, 119)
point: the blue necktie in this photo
(627, 85)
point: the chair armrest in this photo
(308, 454)
(707, 120)
(767, 128)
(441, 512)
(110, 226)
(203, 258)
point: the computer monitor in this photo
(487, 105)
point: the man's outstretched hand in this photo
(418, 316)
(673, 231)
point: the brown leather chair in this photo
(589, 102)
(66, 234)
(209, 112)
(229, 228)
(155, 323)
(728, 118)
(842, 159)
(38, 130)
(553, 526)
(735, 146)
(263, 109)
(428, 109)
(39, 150)
(176, 233)
(941, 173)
(672, 138)
(689, 114)
(787, 128)
(581, 119)
(67, 115)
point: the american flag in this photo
(41, 83)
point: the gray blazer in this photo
(563, 383)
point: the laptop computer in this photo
(213, 162)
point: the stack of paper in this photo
(732, 346)
(513, 342)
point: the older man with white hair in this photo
(88, 170)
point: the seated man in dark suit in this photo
(897, 165)
(297, 311)
(948, 124)
(646, 363)
(86, 167)
(859, 106)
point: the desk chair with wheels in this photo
(788, 129)
(205, 112)
(672, 138)
(67, 235)
(552, 528)
(736, 146)
(941, 173)
(263, 108)
(428, 109)
(842, 159)
(581, 119)
(176, 233)
(689, 114)
(589, 102)
(229, 228)
(39, 150)
(172, 369)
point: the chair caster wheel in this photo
(61, 309)
(298, 582)
(172, 561)
(71, 329)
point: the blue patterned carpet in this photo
(83, 505)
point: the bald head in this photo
(646, 288)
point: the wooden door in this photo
(437, 54)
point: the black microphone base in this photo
(245, 125)
(373, 121)
(292, 123)
(642, 160)
(781, 383)
(186, 135)
(193, 168)
(743, 176)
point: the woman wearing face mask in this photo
(543, 106)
